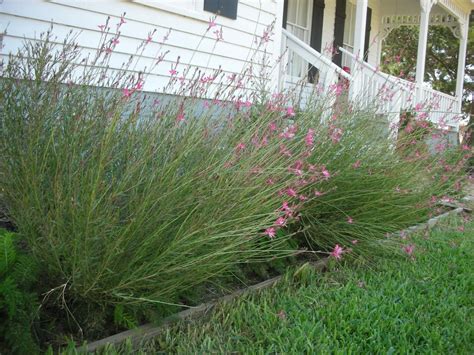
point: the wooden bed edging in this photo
(148, 331)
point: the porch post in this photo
(422, 40)
(359, 31)
(278, 73)
(355, 88)
(464, 27)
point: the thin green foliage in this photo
(128, 205)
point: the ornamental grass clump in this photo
(355, 187)
(130, 200)
(122, 200)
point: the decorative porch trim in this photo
(391, 22)
(455, 9)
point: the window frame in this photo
(178, 9)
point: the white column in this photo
(464, 26)
(422, 40)
(278, 71)
(359, 31)
(355, 88)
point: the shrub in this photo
(18, 302)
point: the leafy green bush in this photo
(18, 302)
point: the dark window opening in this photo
(225, 8)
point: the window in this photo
(349, 27)
(225, 8)
(348, 42)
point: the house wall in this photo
(26, 19)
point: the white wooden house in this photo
(305, 32)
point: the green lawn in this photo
(419, 304)
(404, 305)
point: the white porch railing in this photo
(369, 87)
(391, 94)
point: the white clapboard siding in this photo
(188, 40)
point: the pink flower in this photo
(297, 168)
(102, 27)
(285, 207)
(289, 132)
(280, 222)
(270, 181)
(303, 198)
(337, 252)
(309, 139)
(355, 241)
(336, 135)
(239, 147)
(180, 117)
(423, 115)
(127, 92)
(270, 232)
(272, 126)
(256, 170)
(350, 220)
(291, 192)
(122, 19)
(409, 249)
(356, 164)
(211, 23)
(285, 151)
(290, 111)
(115, 41)
(173, 72)
(466, 147)
(418, 107)
(461, 228)
(440, 147)
(139, 85)
(326, 173)
(337, 88)
(219, 34)
(318, 193)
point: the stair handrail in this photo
(311, 55)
